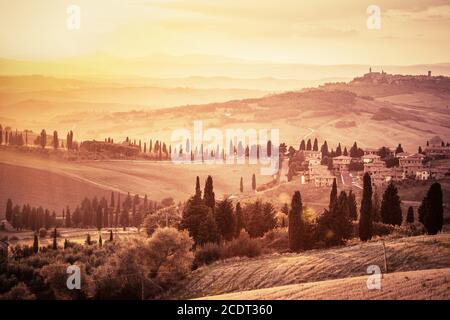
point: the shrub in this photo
(381, 229)
(207, 254)
(242, 246)
(42, 233)
(276, 239)
(18, 292)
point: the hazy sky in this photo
(319, 31)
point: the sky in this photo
(282, 31)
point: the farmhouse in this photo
(311, 154)
(341, 163)
(368, 158)
(437, 148)
(368, 151)
(412, 164)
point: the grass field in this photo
(410, 285)
(405, 254)
(54, 184)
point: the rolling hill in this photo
(305, 270)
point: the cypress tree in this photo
(302, 145)
(35, 244)
(294, 222)
(100, 241)
(241, 187)
(324, 149)
(432, 214)
(55, 140)
(9, 210)
(99, 220)
(208, 194)
(333, 195)
(66, 244)
(111, 236)
(225, 220)
(254, 182)
(239, 225)
(353, 211)
(198, 191)
(316, 145)
(88, 240)
(365, 219)
(391, 212)
(410, 215)
(308, 145)
(55, 241)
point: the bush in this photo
(18, 292)
(42, 233)
(207, 254)
(381, 229)
(242, 246)
(276, 239)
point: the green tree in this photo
(208, 194)
(198, 190)
(55, 140)
(295, 225)
(410, 215)
(43, 139)
(391, 212)
(239, 225)
(225, 220)
(9, 210)
(333, 195)
(316, 145)
(365, 218)
(55, 239)
(353, 211)
(199, 221)
(35, 244)
(431, 211)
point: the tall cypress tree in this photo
(99, 220)
(225, 220)
(410, 215)
(308, 145)
(35, 244)
(239, 225)
(333, 195)
(208, 194)
(365, 218)
(9, 210)
(241, 186)
(391, 212)
(316, 145)
(198, 191)
(432, 215)
(55, 240)
(295, 223)
(302, 145)
(254, 182)
(353, 211)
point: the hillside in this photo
(411, 285)
(405, 254)
(374, 114)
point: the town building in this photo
(341, 163)
(411, 164)
(368, 158)
(437, 148)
